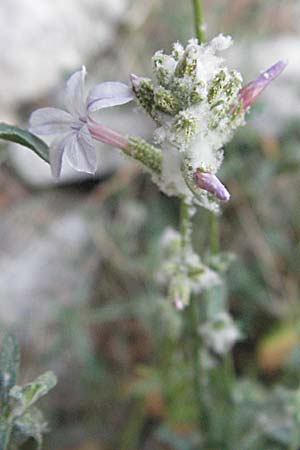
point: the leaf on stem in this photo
(23, 137)
(26, 396)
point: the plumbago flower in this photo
(74, 129)
(197, 103)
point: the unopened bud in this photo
(249, 93)
(166, 101)
(210, 183)
(144, 92)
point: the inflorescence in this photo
(196, 102)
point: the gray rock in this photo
(42, 40)
(47, 262)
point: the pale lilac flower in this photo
(251, 91)
(74, 129)
(210, 183)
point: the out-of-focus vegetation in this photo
(122, 383)
(20, 419)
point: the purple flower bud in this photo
(134, 78)
(211, 184)
(249, 93)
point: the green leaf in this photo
(26, 396)
(24, 137)
(9, 365)
(30, 425)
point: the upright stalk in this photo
(197, 364)
(193, 324)
(193, 311)
(226, 366)
(214, 233)
(185, 226)
(198, 20)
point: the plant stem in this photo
(197, 365)
(193, 323)
(198, 20)
(185, 226)
(226, 370)
(214, 233)
(5, 433)
(193, 316)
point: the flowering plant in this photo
(196, 103)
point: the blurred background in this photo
(79, 258)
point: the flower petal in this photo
(56, 151)
(74, 94)
(251, 91)
(81, 152)
(110, 93)
(47, 121)
(211, 184)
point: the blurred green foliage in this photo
(19, 419)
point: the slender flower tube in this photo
(104, 134)
(74, 129)
(251, 91)
(210, 183)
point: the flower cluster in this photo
(197, 103)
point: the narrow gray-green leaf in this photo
(24, 137)
(9, 365)
(26, 396)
